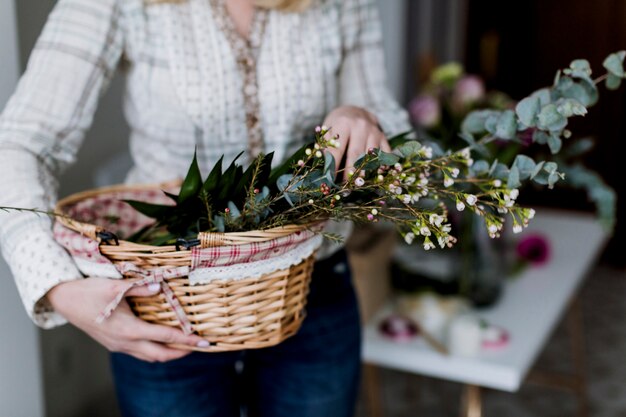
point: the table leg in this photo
(372, 391)
(472, 401)
(577, 340)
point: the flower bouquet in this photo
(233, 252)
(455, 108)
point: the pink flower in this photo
(534, 249)
(425, 111)
(468, 90)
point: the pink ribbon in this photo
(150, 276)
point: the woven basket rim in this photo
(92, 230)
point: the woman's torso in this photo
(185, 89)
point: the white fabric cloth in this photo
(183, 92)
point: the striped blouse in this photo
(190, 83)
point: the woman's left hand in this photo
(358, 131)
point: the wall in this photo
(75, 370)
(20, 365)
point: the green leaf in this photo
(399, 139)
(390, 159)
(555, 143)
(506, 127)
(614, 63)
(543, 95)
(537, 169)
(155, 211)
(578, 147)
(613, 82)
(525, 166)
(330, 168)
(569, 107)
(584, 91)
(540, 137)
(288, 164)
(192, 183)
(214, 177)
(550, 119)
(527, 110)
(474, 122)
(514, 178)
(480, 167)
(408, 149)
(579, 68)
(235, 213)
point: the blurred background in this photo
(515, 46)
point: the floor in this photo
(604, 312)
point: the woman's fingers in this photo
(144, 290)
(166, 335)
(155, 352)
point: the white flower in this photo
(514, 193)
(415, 198)
(517, 228)
(406, 199)
(311, 201)
(502, 210)
(493, 229)
(424, 181)
(466, 153)
(398, 190)
(443, 241)
(435, 220)
(398, 167)
(471, 199)
(448, 182)
(428, 245)
(470, 162)
(318, 154)
(380, 178)
(460, 206)
(497, 183)
(308, 152)
(359, 182)
(410, 180)
(374, 212)
(446, 228)
(426, 152)
(531, 213)
(425, 231)
(455, 172)
(408, 238)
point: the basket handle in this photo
(89, 230)
(211, 239)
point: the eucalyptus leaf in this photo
(474, 122)
(555, 143)
(540, 137)
(569, 107)
(506, 127)
(537, 170)
(390, 159)
(514, 178)
(614, 63)
(468, 138)
(525, 165)
(578, 147)
(527, 110)
(613, 82)
(550, 119)
(543, 95)
(480, 167)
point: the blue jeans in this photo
(312, 374)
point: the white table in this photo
(531, 306)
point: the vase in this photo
(479, 261)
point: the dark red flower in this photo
(534, 249)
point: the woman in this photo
(220, 76)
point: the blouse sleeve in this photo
(41, 130)
(362, 77)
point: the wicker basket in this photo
(247, 313)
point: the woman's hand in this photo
(81, 301)
(358, 131)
